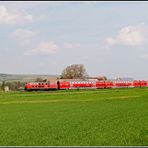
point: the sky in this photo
(44, 37)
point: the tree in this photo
(105, 77)
(74, 71)
(100, 78)
(3, 85)
(39, 79)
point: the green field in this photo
(108, 117)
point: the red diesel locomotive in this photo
(80, 84)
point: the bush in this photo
(15, 85)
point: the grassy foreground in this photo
(110, 117)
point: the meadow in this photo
(105, 117)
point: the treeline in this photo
(12, 85)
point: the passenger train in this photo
(81, 84)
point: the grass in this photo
(108, 117)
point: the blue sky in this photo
(109, 38)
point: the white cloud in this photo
(130, 35)
(110, 41)
(45, 48)
(23, 36)
(71, 45)
(11, 17)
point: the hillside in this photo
(24, 77)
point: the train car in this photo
(122, 84)
(108, 84)
(40, 86)
(130, 84)
(63, 85)
(143, 83)
(74, 84)
(136, 83)
(82, 84)
(100, 84)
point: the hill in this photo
(24, 77)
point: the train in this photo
(83, 84)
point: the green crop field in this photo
(105, 117)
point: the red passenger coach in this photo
(104, 84)
(64, 85)
(136, 83)
(122, 84)
(74, 84)
(100, 84)
(144, 83)
(82, 84)
(108, 84)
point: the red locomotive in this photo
(40, 86)
(81, 84)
